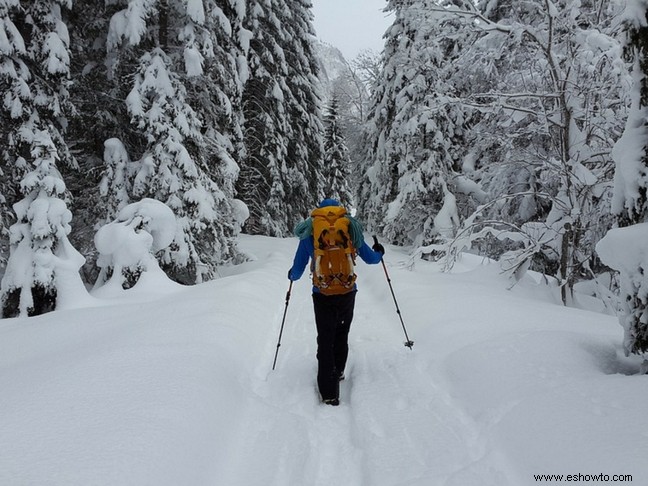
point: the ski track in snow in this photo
(388, 429)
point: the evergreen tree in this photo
(280, 174)
(630, 202)
(205, 46)
(305, 147)
(43, 266)
(14, 79)
(34, 80)
(215, 87)
(260, 184)
(336, 169)
(35, 76)
(180, 67)
(631, 176)
(415, 125)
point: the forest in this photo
(513, 130)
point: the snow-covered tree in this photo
(352, 89)
(547, 87)
(624, 249)
(260, 183)
(630, 153)
(186, 62)
(43, 267)
(304, 110)
(337, 166)
(204, 46)
(115, 185)
(280, 178)
(170, 174)
(413, 126)
(533, 95)
(14, 79)
(355, 86)
(127, 246)
(34, 81)
(103, 79)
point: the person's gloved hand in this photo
(377, 247)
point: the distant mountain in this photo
(333, 67)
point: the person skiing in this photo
(330, 239)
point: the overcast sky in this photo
(351, 25)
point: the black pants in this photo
(333, 316)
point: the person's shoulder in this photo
(304, 229)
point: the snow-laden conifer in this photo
(280, 179)
(35, 72)
(415, 122)
(187, 65)
(127, 246)
(34, 77)
(624, 249)
(336, 169)
(43, 266)
(14, 79)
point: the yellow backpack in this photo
(334, 259)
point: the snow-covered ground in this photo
(169, 385)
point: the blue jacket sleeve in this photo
(304, 252)
(368, 255)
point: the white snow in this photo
(129, 23)
(629, 173)
(624, 249)
(141, 229)
(632, 241)
(447, 219)
(170, 385)
(193, 61)
(240, 213)
(156, 218)
(196, 11)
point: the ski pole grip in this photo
(375, 238)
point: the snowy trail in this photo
(410, 430)
(394, 425)
(300, 441)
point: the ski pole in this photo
(409, 343)
(282, 324)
